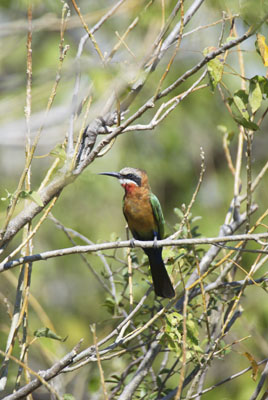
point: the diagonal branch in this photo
(141, 372)
(46, 375)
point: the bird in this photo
(144, 216)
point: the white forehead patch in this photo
(127, 182)
(128, 170)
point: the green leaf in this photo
(168, 253)
(255, 95)
(240, 99)
(247, 124)
(230, 135)
(215, 68)
(262, 48)
(215, 71)
(174, 318)
(164, 371)
(48, 333)
(192, 332)
(181, 252)
(173, 343)
(59, 152)
(222, 128)
(33, 195)
(158, 381)
(68, 396)
(230, 39)
(179, 213)
(110, 305)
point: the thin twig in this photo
(184, 347)
(230, 378)
(187, 213)
(72, 232)
(90, 34)
(93, 330)
(130, 273)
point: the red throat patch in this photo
(129, 187)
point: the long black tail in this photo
(162, 284)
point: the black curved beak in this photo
(114, 174)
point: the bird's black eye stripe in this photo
(134, 178)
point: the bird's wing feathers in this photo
(158, 214)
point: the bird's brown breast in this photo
(139, 214)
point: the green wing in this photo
(158, 214)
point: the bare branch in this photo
(46, 375)
(127, 243)
(142, 371)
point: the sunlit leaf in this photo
(262, 48)
(174, 318)
(254, 365)
(173, 342)
(215, 68)
(192, 332)
(59, 151)
(240, 99)
(168, 253)
(179, 213)
(255, 95)
(33, 195)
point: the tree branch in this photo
(137, 243)
(46, 375)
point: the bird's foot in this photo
(155, 243)
(132, 243)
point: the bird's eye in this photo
(134, 178)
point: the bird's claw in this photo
(132, 243)
(155, 243)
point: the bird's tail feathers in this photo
(162, 284)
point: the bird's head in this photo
(129, 178)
